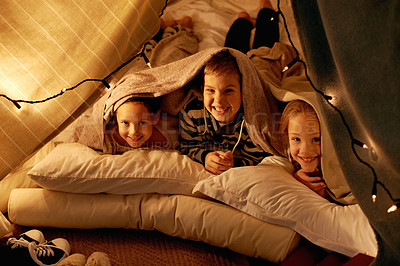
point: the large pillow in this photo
(5, 226)
(18, 177)
(73, 167)
(270, 193)
(176, 215)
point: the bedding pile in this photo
(153, 196)
(70, 184)
(264, 211)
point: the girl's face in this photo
(305, 140)
(135, 123)
(222, 96)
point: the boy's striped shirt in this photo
(200, 134)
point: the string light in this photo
(294, 61)
(103, 81)
(359, 143)
(374, 191)
(373, 198)
(15, 102)
(146, 60)
(394, 207)
(328, 98)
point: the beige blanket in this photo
(263, 86)
(174, 82)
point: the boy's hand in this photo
(314, 183)
(218, 162)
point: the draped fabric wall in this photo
(352, 49)
(50, 45)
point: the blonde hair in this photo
(292, 109)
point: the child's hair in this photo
(153, 104)
(292, 109)
(222, 63)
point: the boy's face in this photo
(222, 96)
(135, 123)
(305, 141)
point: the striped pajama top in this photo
(200, 133)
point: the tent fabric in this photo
(352, 49)
(50, 45)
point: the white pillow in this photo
(176, 215)
(76, 168)
(271, 194)
(18, 177)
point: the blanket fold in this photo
(263, 89)
(177, 78)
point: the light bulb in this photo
(393, 208)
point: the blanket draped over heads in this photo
(177, 82)
(258, 103)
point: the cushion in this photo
(5, 226)
(267, 191)
(18, 177)
(73, 167)
(176, 215)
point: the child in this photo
(301, 130)
(212, 129)
(135, 125)
(266, 29)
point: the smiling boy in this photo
(212, 129)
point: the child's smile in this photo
(135, 124)
(220, 110)
(222, 96)
(311, 161)
(135, 138)
(304, 141)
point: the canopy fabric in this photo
(352, 50)
(47, 46)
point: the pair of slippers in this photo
(77, 259)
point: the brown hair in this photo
(222, 63)
(153, 104)
(292, 109)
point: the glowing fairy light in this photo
(294, 61)
(393, 208)
(361, 144)
(373, 198)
